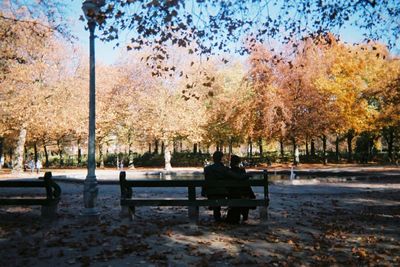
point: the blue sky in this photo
(106, 53)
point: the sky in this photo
(107, 53)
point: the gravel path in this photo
(311, 224)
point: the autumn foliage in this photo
(316, 89)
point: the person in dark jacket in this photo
(218, 172)
(245, 192)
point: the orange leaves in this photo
(353, 71)
(360, 252)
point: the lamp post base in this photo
(90, 192)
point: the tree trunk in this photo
(36, 152)
(18, 155)
(390, 146)
(307, 151)
(312, 150)
(167, 155)
(60, 153)
(371, 148)
(10, 155)
(25, 154)
(46, 155)
(117, 151)
(195, 148)
(324, 158)
(282, 147)
(350, 136)
(250, 155)
(130, 154)
(163, 147)
(388, 134)
(1, 152)
(101, 156)
(337, 153)
(156, 146)
(149, 148)
(230, 148)
(79, 152)
(296, 155)
(260, 147)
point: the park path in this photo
(112, 174)
(344, 224)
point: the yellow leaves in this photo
(360, 252)
(352, 74)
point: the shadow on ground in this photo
(331, 224)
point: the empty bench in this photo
(49, 202)
(129, 202)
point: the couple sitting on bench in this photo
(219, 172)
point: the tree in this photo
(226, 104)
(157, 109)
(21, 64)
(352, 72)
(266, 106)
(37, 15)
(214, 24)
(316, 114)
(35, 69)
(386, 96)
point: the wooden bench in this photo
(128, 202)
(49, 204)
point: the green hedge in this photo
(177, 160)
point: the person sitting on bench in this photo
(218, 172)
(244, 192)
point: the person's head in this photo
(217, 156)
(235, 160)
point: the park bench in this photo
(129, 202)
(49, 203)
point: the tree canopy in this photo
(218, 25)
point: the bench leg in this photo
(263, 213)
(193, 213)
(49, 211)
(127, 212)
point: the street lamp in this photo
(91, 9)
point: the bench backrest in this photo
(53, 191)
(126, 186)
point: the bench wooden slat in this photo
(25, 201)
(128, 203)
(187, 183)
(48, 203)
(22, 183)
(198, 202)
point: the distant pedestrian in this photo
(38, 166)
(31, 165)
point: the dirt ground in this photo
(342, 224)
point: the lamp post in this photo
(91, 9)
